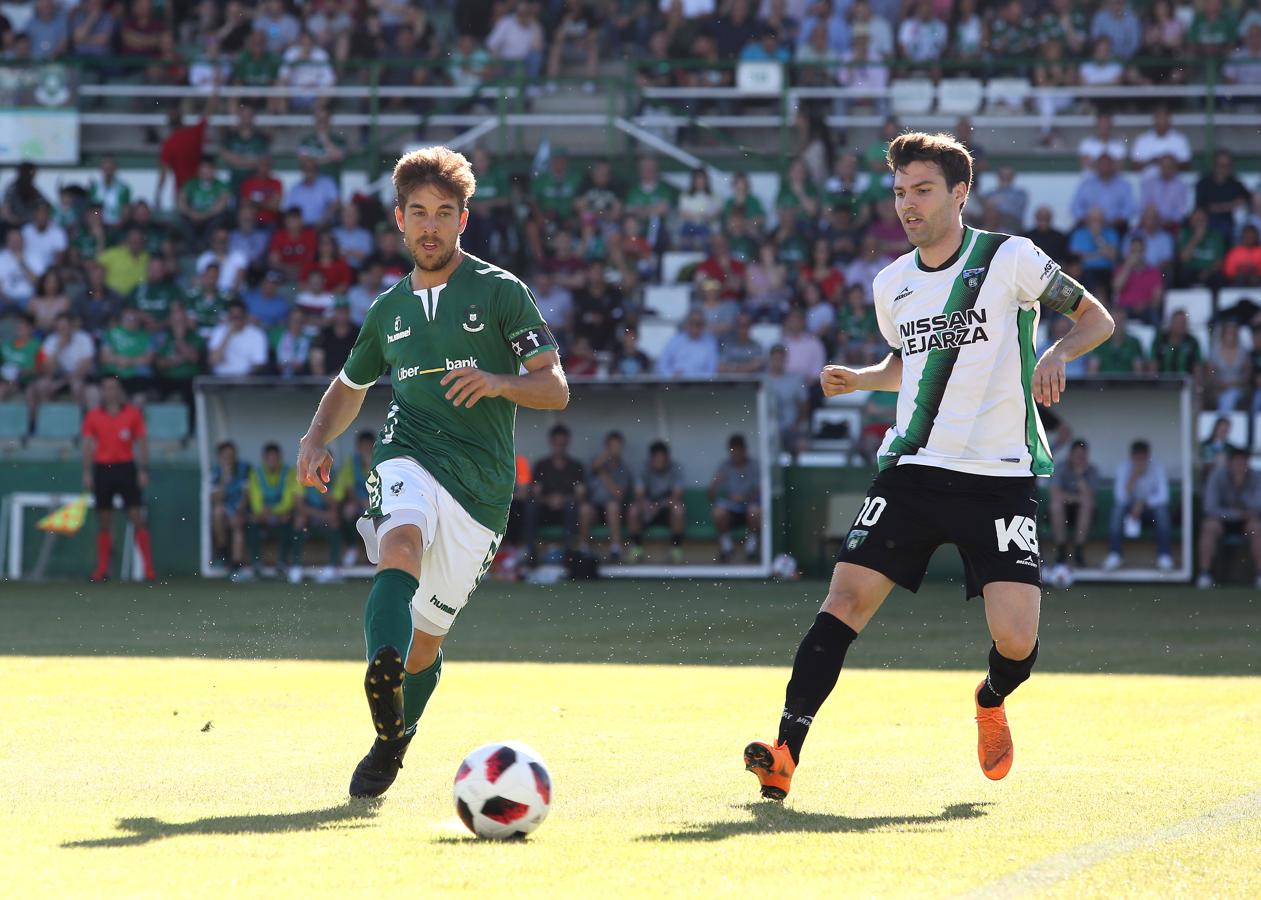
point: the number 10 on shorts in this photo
(870, 513)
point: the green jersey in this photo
(483, 318)
(640, 198)
(1118, 359)
(206, 308)
(256, 71)
(155, 298)
(17, 361)
(114, 199)
(128, 343)
(311, 146)
(556, 195)
(201, 196)
(182, 371)
(254, 145)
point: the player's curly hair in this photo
(947, 151)
(446, 170)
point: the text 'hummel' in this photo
(391, 338)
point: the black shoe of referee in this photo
(383, 685)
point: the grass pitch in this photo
(196, 739)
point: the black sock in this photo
(1005, 676)
(815, 670)
(1061, 554)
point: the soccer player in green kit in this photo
(455, 335)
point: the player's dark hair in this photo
(445, 170)
(945, 150)
(658, 447)
(271, 446)
(1140, 447)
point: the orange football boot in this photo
(773, 765)
(993, 739)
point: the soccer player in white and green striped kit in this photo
(960, 464)
(465, 345)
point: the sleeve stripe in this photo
(345, 379)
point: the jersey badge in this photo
(972, 277)
(855, 539)
(473, 323)
(398, 334)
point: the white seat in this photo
(912, 96)
(842, 424)
(960, 96)
(676, 261)
(668, 301)
(1238, 426)
(766, 333)
(1145, 333)
(1197, 302)
(653, 337)
(1008, 93)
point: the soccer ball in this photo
(1061, 576)
(784, 567)
(502, 791)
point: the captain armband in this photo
(1063, 293)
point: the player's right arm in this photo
(885, 375)
(340, 405)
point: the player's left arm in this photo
(1039, 279)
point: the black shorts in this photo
(600, 512)
(110, 480)
(912, 510)
(659, 516)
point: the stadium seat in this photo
(167, 422)
(1198, 303)
(675, 261)
(653, 337)
(912, 96)
(1238, 426)
(960, 96)
(1007, 93)
(830, 423)
(13, 423)
(668, 301)
(57, 422)
(766, 333)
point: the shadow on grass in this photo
(139, 831)
(774, 818)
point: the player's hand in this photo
(837, 380)
(315, 465)
(468, 385)
(1049, 380)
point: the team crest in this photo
(473, 320)
(398, 323)
(855, 539)
(972, 277)
(396, 488)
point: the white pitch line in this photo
(1047, 872)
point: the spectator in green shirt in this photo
(203, 203)
(1176, 351)
(243, 147)
(652, 200)
(204, 303)
(153, 298)
(744, 199)
(181, 356)
(113, 194)
(555, 190)
(18, 356)
(1201, 252)
(1213, 32)
(256, 67)
(125, 264)
(327, 148)
(127, 352)
(1122, 354)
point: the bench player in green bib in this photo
(465, 345)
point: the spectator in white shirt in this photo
(280, 28)
(232, 263)
(315, 195)
(1101, 70)
(1103, 141)
(17, 272)
(306, 66)
(518, 37)
(44, 239)
(237, 346)
(864, 20)
(922, 38)
(1167, 192)
(1160, 140)
(67, 356)
(691, 353)
(1140, 494)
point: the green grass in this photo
(196, 739)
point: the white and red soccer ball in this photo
(503, 791)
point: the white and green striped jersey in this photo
(965, 332)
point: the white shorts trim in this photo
(456, 548)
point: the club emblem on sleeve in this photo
(473, 320)
(396, 488)
(972, 277)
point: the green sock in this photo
(387, 619)
(417, 689)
